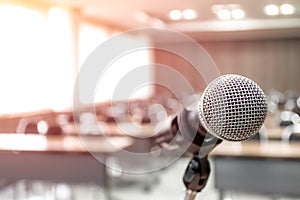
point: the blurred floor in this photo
(167, 185)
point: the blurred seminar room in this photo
(90, 90)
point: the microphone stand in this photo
(195, 176)
(201, 143)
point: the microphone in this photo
(232, 108)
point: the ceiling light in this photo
(271, 9)
(237, 13)
(175, 14)
(189, 14)
(229, 11)
(224, 14)
(287, 9)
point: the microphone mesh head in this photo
(233, 108)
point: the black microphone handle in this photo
(185, 127)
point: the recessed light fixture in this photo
(287, 9)
(271, 9)
(175, 14)
(189, 14)
(229, 11)
(238, 13)
(224, 14)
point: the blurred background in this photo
(45, 43)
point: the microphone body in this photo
(232, 108)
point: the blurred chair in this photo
(28, 125)
(31, 128)
(276, 101)
(54, 130)
(36, 125)
(288, 118)
(291, 133)
(296, 109)
(261, 135)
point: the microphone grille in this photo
(233, 108)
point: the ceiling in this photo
(130, 14)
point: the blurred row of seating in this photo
(287, 105)
(284, 112)
(100, 117)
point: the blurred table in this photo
(56, 158)
(270, 168)
(274, 133)
(113, 129)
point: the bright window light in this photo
(189, 14)
(238, 14)
(224, 14)
(287, 9)
(36, 65)
(90, 37)
(107, 87)
(175, 14)
(271, 9)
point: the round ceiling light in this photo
(189, 14)
(287, 9)
(175, 14)
(271, 9)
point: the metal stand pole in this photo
(190, 195)
(196, 176)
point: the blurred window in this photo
(91, 37)
(36, 65)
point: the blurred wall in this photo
(273, 64)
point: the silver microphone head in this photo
(233, 108)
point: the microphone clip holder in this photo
(196, 176)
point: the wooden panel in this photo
(273, 64)
(183, 68)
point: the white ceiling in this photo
(124, 13)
